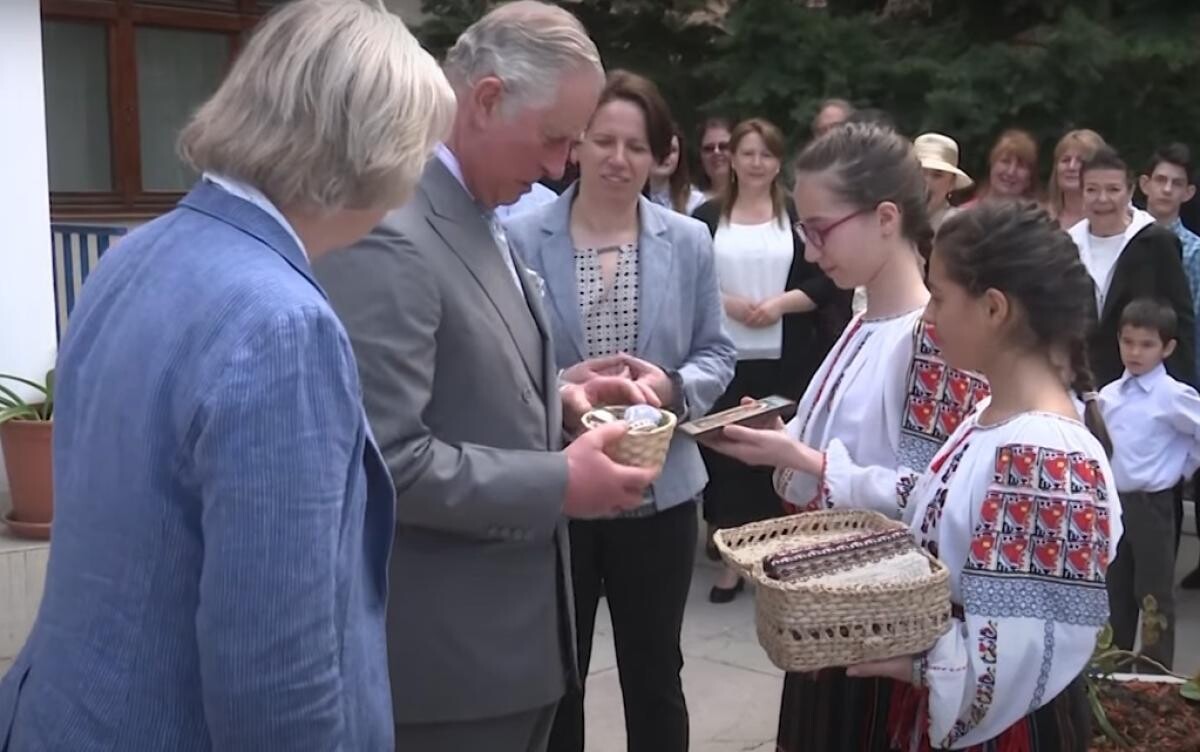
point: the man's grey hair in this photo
(332, 104)
(529, 46)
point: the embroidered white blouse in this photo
(879, 406)
(1026, 516)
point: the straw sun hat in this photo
(937, 152)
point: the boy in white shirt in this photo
(1154, 421)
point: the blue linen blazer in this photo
(680, 316)
(223, 520)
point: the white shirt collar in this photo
(249, 193)
(447, 158)
(1147, 381)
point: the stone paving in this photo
(733, 690)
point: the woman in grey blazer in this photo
(631, 287)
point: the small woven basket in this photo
(805, 625)
(642, 448)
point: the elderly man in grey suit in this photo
(461, 389)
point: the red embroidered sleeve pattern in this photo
(1041, 544)
(1046, 515)
(937, 399)
(822, 499)
(985, 685)
(1035, 570)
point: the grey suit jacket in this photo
(680, 318)
(460, 388)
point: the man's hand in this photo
(609, 365)
(578, 399)
(597, 486)
(646, 374)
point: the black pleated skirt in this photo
(829, 712)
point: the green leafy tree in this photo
(1127, 69)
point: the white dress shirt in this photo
(1154, 422)
(247, 192)
(537, 196)
(443, 153)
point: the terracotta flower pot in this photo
(27, 449)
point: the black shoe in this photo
(1191, 581)
(726, 595)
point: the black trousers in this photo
(521, 732)
(1179, 512)
(645, 567)
(1145, 565)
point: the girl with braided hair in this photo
(1019, 503)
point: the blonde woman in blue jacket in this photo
(223, 516)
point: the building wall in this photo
(27, 341)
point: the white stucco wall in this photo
(27, 342)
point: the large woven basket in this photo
(641, 449)
(806, 626)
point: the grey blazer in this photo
(680, 318)
(460, 388)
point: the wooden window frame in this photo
(128, 200)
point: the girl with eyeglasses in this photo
(776, 304)
(882, 402)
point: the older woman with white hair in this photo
(223, 522)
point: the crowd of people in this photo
(321, 475)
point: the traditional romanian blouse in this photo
(880, 406)
(1025, 515)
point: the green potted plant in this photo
(25, 438)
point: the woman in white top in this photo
(1020, 504)
(773, 300)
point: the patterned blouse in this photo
(1024, 514)
(880, 407)
(609, 314)
(610, 317)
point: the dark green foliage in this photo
(651, 37)
(968, 68)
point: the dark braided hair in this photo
(870, 164)
(1017, 249)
